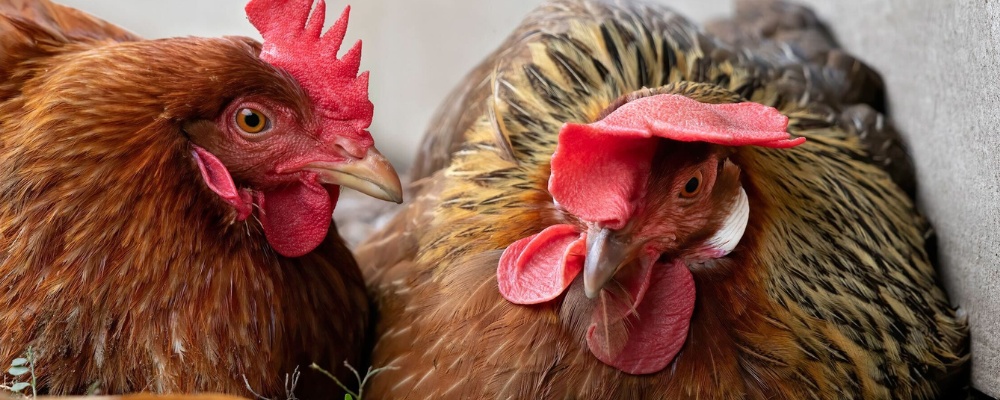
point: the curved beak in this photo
(372, 175)
(605, 257)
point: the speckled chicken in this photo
(615, 204)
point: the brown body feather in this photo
(830, 294)
(119, 267)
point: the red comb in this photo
(293, 41)
(599, 169)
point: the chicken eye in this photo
(251, 121)
(692, 187)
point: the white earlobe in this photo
(731, 231)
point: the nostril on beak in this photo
(350, 148)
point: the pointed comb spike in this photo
(315, 25)
(293, 42)
(352, 59)
(363, 80)
(335, 36)
(298, 12)
(257, 10)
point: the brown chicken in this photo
(615, 205)
(165, 204)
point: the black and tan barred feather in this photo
(830, 295)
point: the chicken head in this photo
(649, 192)
(288, 150)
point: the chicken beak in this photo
(605, 257)
(372, 175)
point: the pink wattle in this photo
(645, 340)
(540, 267)
(296, 218)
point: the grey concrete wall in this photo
(939, 57)
(941, 63)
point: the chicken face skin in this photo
(690, 193)
(288, 146)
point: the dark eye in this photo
(692, 187)
(252, 121)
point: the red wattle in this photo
(296, 218)
(644, 336)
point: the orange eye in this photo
(692, 187)
(252, 121)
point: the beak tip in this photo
(391, 193)
(394, 189)
(372, 175)
(601, 263)
(389, 182)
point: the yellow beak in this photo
(372, 175)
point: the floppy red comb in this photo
(599, 169)
(294, 41)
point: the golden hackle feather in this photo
(829, 295)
